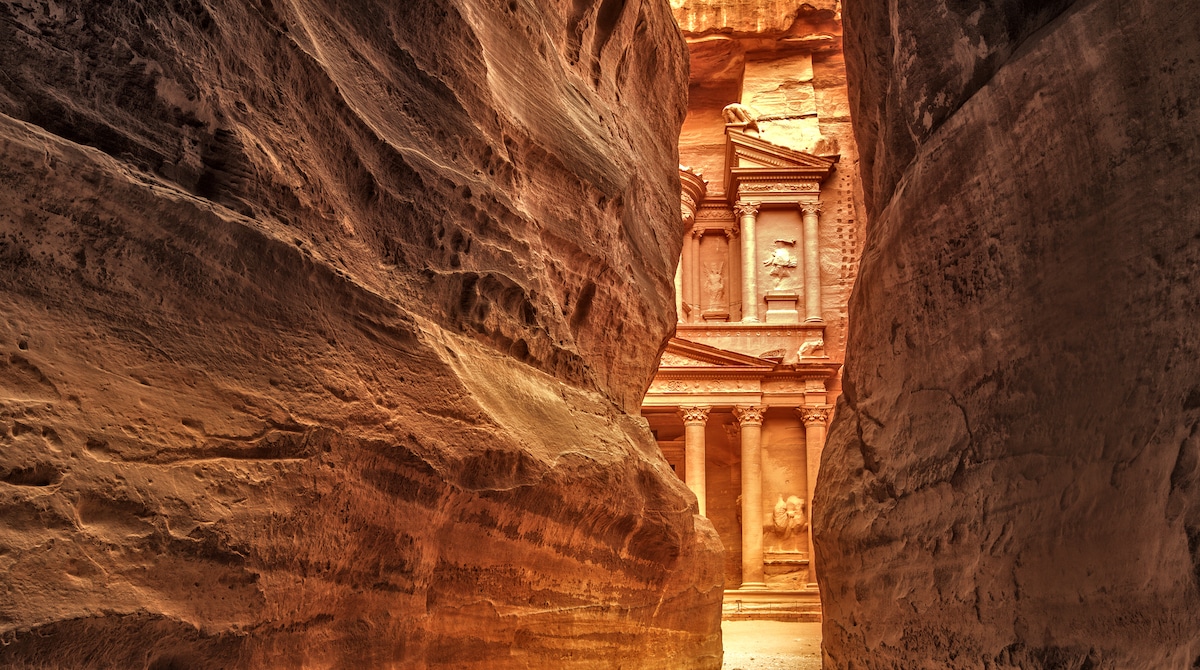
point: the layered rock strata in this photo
(1012, 479)
(319, 326)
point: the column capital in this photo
(746, 208)
(695, 415)
(749, 415)
(810, 208)
(730, 231)
(813, 415)
(732, 430)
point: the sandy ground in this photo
(771, 645)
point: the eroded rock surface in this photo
(1013, 475)
(319, 326)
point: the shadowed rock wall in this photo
(319, 326)
(1013, 476)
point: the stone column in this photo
(694, 419)
(690, 291)
(679, 287)
(751, 419)
(748, 215)
(812, 262)
(815, 419)
(734, 261)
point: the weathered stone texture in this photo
(319, 323)
(1013, 475)
(765, 18)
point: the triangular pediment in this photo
(747, 151)
(681, 353)
(763, 172)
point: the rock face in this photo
(1012, 478)
(320, 323)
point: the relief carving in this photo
(814, 349)
(781, 261)
(696, 415)
(746, 209)
(788, 517)
(749, 415)
(742, 116)
(675, 360)
(711, 214)
(812, 416)
(779, 187)
(677, 386)
(714, 285)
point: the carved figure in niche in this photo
(743, 116)
(788, 517)
(714, 285)
(781, 261)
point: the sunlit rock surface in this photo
(1013, 475)
(319, 323)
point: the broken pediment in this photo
(758, 168)
(747, 151)
(682, 353)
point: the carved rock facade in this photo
(319, 327)
(772, 221)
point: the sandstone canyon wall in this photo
(1012, 479)
(320, 326)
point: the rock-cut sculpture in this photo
(742, 116)
(781, 261)
(788, 517)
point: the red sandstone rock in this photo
(319, 323)
(1012, 479)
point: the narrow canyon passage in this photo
(592, 334)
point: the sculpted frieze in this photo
(779, 187)
(670, 360)
(698, 386)
(708, 214)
